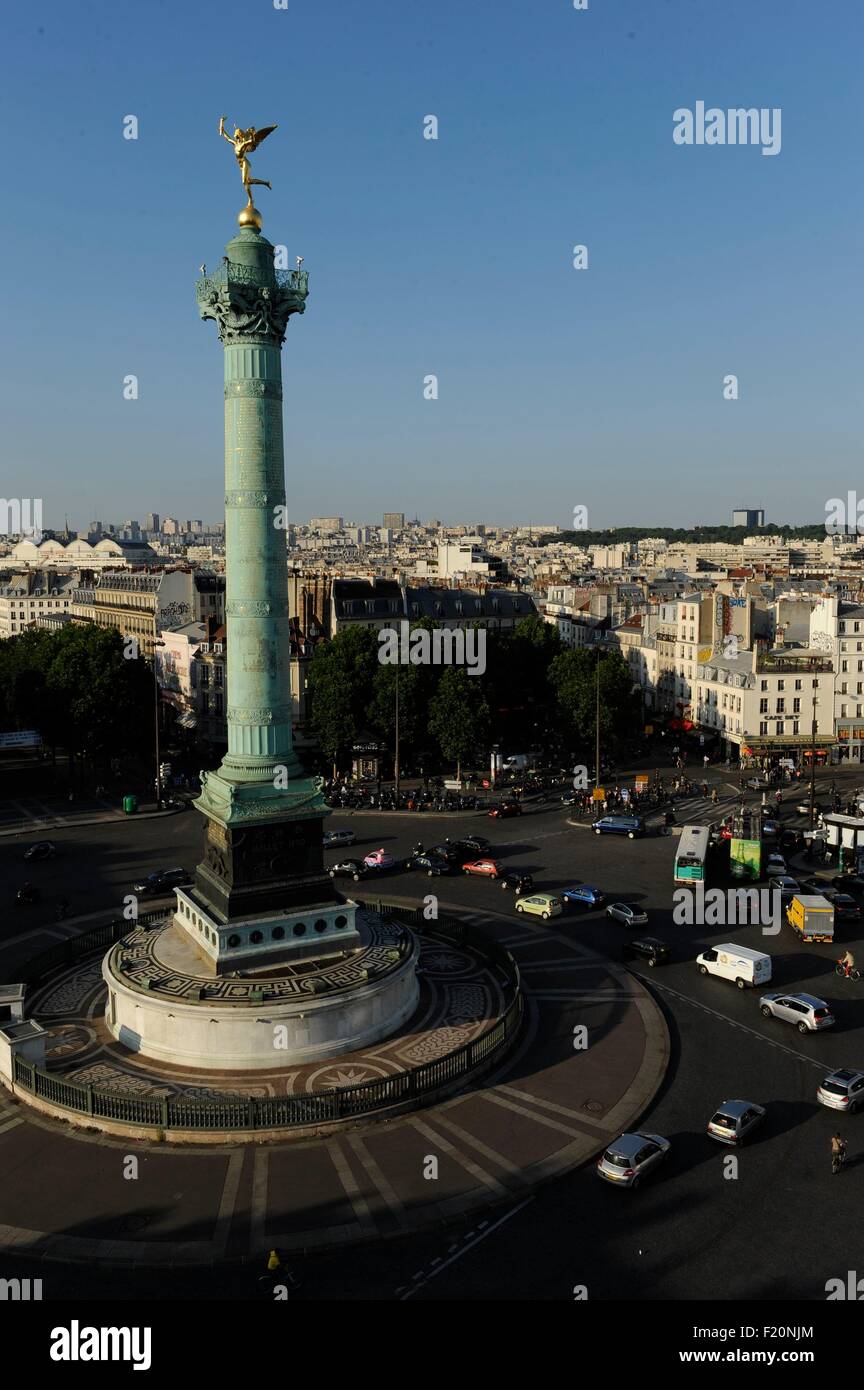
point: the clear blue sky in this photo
(558, 388)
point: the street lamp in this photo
(813, 764)
(396, 777)
(597, 724)
(157, 643)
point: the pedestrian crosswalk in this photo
(701, 810)
(10, 1114)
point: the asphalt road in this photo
(779, 1229)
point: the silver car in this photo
(627, 915)
(842, 1090)
(775, 864)
(733, 1120)
(335, 839)
(786, 885)
(808, 1013)
(631, 1156)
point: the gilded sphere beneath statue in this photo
(250, 217)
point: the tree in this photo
(341, 686)
(417, 686)
(573, 677)
(78, 689)
(459, 715)
(517, 682)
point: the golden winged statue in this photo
(244, 142)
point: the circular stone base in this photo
(298, 1013)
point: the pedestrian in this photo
(705, 760)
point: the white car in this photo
(336, 839)
(775, 864)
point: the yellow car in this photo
(543, 905)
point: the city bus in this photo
(692, 854)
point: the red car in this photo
(510, 808)
(488, 868)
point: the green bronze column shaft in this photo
(260, 777)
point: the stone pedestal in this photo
(170, 1009)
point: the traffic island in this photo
(551, 1097)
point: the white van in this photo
(736, 963)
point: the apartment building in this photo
(31, 597)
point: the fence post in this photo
(163, 1112)
(88, 1100)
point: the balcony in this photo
(794, 661)
(232, 273)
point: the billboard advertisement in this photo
(745, 858)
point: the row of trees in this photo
(730, 535)
(83, 695)
(533, 692)
(76, 687)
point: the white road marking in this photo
(468, 1245)
(228, 1201)
(724, 1018)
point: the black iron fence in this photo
(241, 1112)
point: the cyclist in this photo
(848, 963)
(838, 1152)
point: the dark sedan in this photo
(517, 883)
(849, 883)
(506, 810)
(349, 868)
(43, 849)
(477, 844)
(647, 948)
(432, 865)
(456, 853)
(846, 909)
(162, 881)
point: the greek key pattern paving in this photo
(135, 959)
(458, 1001)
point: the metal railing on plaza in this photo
(247, 1112)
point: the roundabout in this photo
(530, 1109)
(464, 1009)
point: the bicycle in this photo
(838, 1159)
(848, 972)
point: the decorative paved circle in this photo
(461, 996)
(138, 962)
